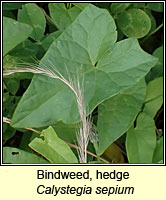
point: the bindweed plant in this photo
(96, 93)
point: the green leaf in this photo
(157, 70)
(107, 69)
(78, 54)
(154, 97)
(158, 53)
(126, 63)
(88, 46)
(117, 114)
(141, 140)
(17, 156)
(46, 42)
(153, 20)
(12, 6)
(25, 49)
(134, 23)
(9, 105)
(12, 85)
(155, 6)
(14, 33)
(66, 132)
(117, 8)
(5, 95)
(43, 99)
(61, 16)
(45, 93)
(32, 15)
(81, 5)
(158, 154)
(53, 148)
(8, 132)
(138, 5)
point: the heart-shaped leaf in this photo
(107, 68)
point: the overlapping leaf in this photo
(14, 33)
(117, 8)
(62, 16)
(141, 140)
(126, 63)
(17, 156)
(157, 70)
(8, 132)
(75, 51)
(158, 7)
(32, 15)
(49, 39)
(25, 49)
(118, 113)
(154, 97)
(12, 6)
(81, 5)
(53, 148)
(158, 154)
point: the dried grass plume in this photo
(84, 129)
